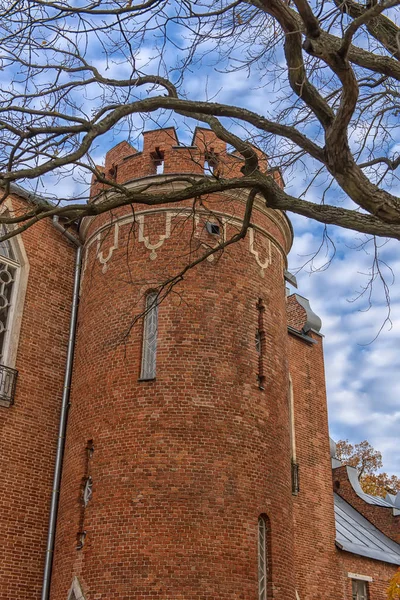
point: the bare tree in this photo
(329, 71)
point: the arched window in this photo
(9, 272)
(12, 291)
(150, 327)
(262, 558)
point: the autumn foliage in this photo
(367, 460)
(393, 591)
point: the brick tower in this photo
(177, 471)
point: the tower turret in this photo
(177, 470)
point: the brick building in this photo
(196, 463)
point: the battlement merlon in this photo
(162, 154)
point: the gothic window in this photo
(359, 590)
(75, 591)
(262, 559)
(9, 269)
(150, 326)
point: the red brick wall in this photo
(296, 314)
(183, 465)
(380, 572)
(317, 567)
(131, 164)
(380, 516)
(29, 428)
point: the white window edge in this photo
(359, 577)
(18, 297)
(75, 591)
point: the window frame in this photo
(262, 558)
(5, 349)
(17, 299)
(149, 354)
(357, 583)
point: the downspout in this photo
(64, 412)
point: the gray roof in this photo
(355, 534)
(352, 474)
(35, 198)
(394, 500)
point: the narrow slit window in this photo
(210, 163)
(260, 343)
(150, 327)
(262, 559)
(158, 161)
(208, 168)
(292, 431)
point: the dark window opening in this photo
(213, 228)
(112, 173)
(210, 163)
(260, 344)
(295, 478)
(158, 161)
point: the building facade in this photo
(197, 463)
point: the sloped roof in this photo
(35, 198)
(352, 474)
(355, 534)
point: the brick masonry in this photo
(382, 517)
(181, 466)
(29, 427)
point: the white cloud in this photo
(361, 372)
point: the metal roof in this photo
(352, 474)
(355, 534)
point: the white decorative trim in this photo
(297, 595)
(359, 577)
(104, 260)
(278, 217)
(182, 212)
(264, 265)
(162, 238)
(75, 591)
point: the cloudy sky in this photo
(362, 360)
(361, 344)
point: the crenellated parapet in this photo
(163, 154)
(160, 164)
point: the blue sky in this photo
(361, 369)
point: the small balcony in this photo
(8, 381)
